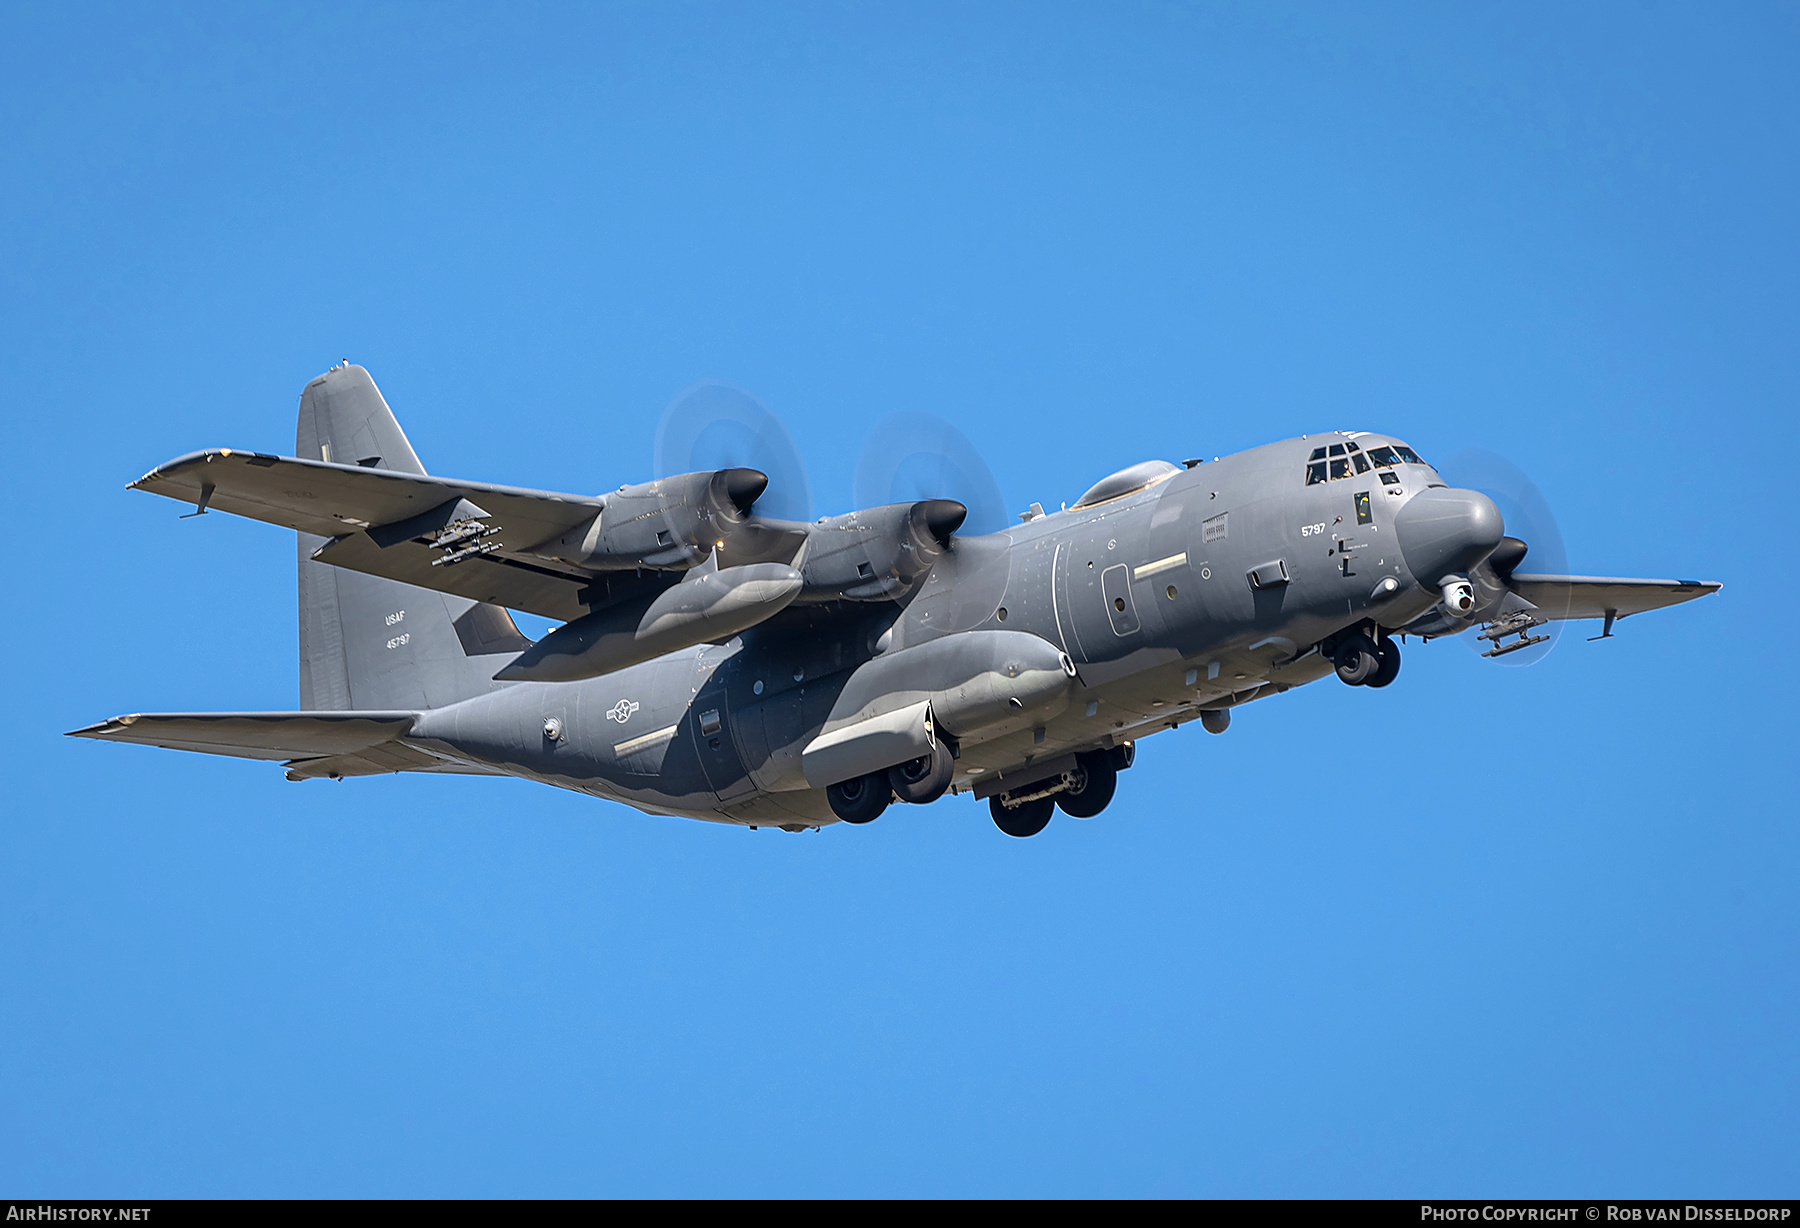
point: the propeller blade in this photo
(1533, 545)
(912, 457)
(718, 425)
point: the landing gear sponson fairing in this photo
(723, 666)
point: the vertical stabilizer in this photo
(369, 643)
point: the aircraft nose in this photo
(1443, 531)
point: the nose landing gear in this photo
(1389, 669)
(1357, 658)
(1361, 661)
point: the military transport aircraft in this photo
(722, 665)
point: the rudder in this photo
(366, 642)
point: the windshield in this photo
(1393, 454)
(1331, 462)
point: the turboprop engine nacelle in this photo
(973, 686)
(708, 604)
(671, 523)
(875, 553)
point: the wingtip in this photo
(112, 724)
(188, 458)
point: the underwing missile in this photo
(709, 604)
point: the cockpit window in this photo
(1342, 460)
(1330, 462)
(1394, 454)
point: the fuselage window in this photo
(1318, 454)
(1337, 449)
(1362, 466)
(1340, 468)
(1315, 472)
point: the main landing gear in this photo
(919, 781)
(1362, 661)
(861, 799)
(1082, 792)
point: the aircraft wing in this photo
(346, 502)
(313, 744)
(1560, 597)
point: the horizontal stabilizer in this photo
(379, 761)
(255, 735)
(1601, 596)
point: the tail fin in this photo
(365, 642)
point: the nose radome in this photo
(1443, 531)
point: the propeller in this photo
(718, 425)
(910, 457)
(1533, 545)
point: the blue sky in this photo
(1487, 932)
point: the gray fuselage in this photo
(1209, 587)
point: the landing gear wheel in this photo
(1025, 819)
(859, 800)
(1389, 669)
(1098, 780)
(923, 779)
(1356, 659)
